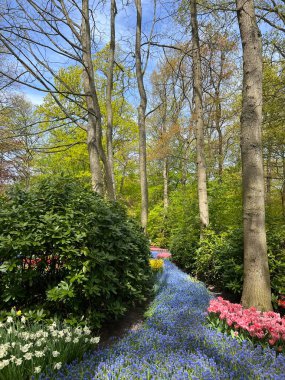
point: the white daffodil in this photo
(18, 361)
(12, 358)
(86, 330)
(28, 356)
(39, 333)
(39, 354)
(9, 319)
(26, 347)
(78, 331)
(55, 354)
(57, 365)
(3, 353)
(38, 369)
(95, 339)
(4, 363)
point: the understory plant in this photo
(27, 349)
(217, 258)
(265, 328)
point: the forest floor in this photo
(174, 342)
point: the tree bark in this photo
(110, 80)
(268, 176)
(94, 130)
(165, 183)
(141, 119)
(256, 285)
(283, 188)
(198, 120)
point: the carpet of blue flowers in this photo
(175, 343)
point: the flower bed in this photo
(28, 349)
(156, 265)
(160, 253)
(175, 342)
(266, 328)
(163, 255)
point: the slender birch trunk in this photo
(110, 79)
(141, 119)
(198, 120)
(256, 285)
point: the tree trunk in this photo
(283, 198)
(268, 176)
(221, 154)
(198, 120)
(283, 188)
(256, 285)
(165, 183)
(165, 171)
(218, 113)
(141, 120)
(95, 167)
(94, 130)
(109, 107)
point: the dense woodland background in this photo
(120, 110)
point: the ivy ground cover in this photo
(176, 343)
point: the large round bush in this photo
(64, 248)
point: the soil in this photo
(115, 330)
(234, 298)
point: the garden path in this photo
(174, 343)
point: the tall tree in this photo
(198, 119)
(94, 112)
(110, 81)
(256, 285)
(18, 140)
(34, 32)
(141, 118)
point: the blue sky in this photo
(125, 34)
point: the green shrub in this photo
(158, 228)
(65, 249)
(217, 259)
(183, 247)
(276, 254)
(183, 221)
